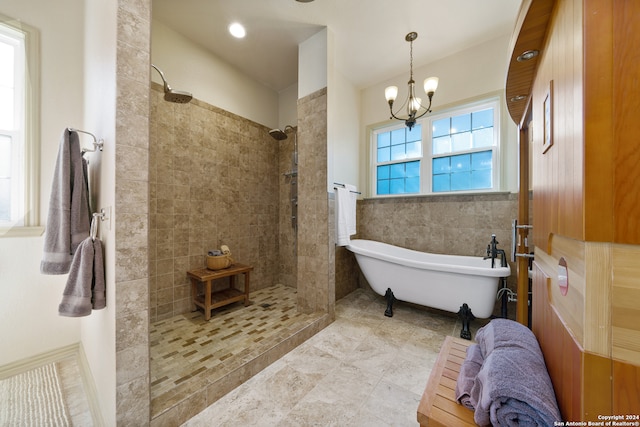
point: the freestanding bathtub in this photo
(445, 282)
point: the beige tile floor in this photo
(364, 369)
(188, 352)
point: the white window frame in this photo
(491, 101)
(25, 162)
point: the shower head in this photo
(280, 135)
(171, 95)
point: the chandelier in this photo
(414, 106)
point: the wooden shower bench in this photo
(438, 406)
(209, 300)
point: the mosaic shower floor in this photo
(188, 352)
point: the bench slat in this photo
(438, 406)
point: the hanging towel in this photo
(345, 214)
(85, 289)
(69, 216)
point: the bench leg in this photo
(246, 289)
(390, 300)
(466, 316)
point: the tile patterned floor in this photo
(188, 351)
(362, 370)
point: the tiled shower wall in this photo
(214, 179)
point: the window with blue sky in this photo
(452, 151)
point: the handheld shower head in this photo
(171, 95)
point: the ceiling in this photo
(369, 44)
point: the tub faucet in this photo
(493, 252)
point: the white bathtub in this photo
(445, 282)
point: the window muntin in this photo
(461, 148)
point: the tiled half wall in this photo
(451, 224)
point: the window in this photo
(398, 154)
(18, 129)
(452, 151)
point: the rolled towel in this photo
(467, 377)
(214, 252)
(504, 332)
(513, 385)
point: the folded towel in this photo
(345, 214)
(69, 217)
(513, 385)
(85, 287)
(467, 377)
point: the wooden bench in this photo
(209, 300)
(438, 406)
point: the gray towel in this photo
(69, 216)
(85, 287)
(467, 377)
(513, 385)
(504, 333)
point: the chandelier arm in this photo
(392, 113)
(428, 110)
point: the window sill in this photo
(442, 195)
(21, 232)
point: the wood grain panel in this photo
(598, 119)
(626, 395)
(625, 301)
(558, 173)
(626, 104)
(581, 380)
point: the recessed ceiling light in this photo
(518, 98)
(527, 55)
(237, 30)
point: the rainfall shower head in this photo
(280, 135)
(171, 95)
(277, 134)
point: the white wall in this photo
(343, 118)
(29, 321)
(312, 63)
(466, 75)
(288, 107)
(188, 67)
(98, 330)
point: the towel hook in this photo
(97, 144)
(94, 224)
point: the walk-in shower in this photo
(292, 174)
(171, 95)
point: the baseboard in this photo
(72, 350)
(33, 362)
(90, 388)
